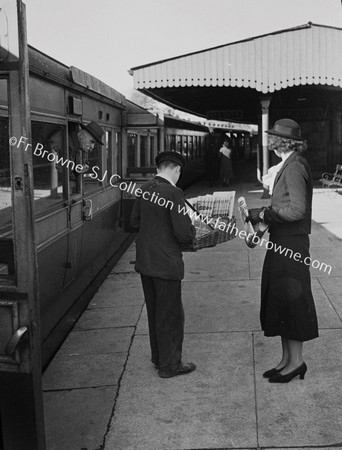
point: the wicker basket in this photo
(227, 234)
(205, 237)
(210, 235)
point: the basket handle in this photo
(194, 209)
(191, 206)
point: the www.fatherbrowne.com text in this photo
(130, 188)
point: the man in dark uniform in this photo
(162, 228)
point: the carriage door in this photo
(21, 406)
(76, 206)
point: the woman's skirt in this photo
(287, 305)
(226, 169)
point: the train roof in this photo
(48, 67)
(176, 122)
(137, 116)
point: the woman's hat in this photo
(95, 130)
(170, 156)
(286, 128)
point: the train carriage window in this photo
(87, 164)
(143, 151)
(75, 157)
(7, 266)
(109, 156)
(179, 144)
(132, 149)
(172, 142)
(116, 159)
(152, 150)
(195, 147)
(94, 167)
(49, 163)
(185, 148)
(190, 147)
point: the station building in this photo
(293, 73)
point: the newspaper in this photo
(219, 203)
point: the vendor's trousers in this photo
(165, 322)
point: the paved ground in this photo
(102, 392)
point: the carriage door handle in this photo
(14, 341)
(87, 209)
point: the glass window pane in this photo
(190, 150)
(152, 151)
(7, 267)
(109, 153)
(185, 147)
(179, 144)
(131, 150)
(117, 168)
(173, 143)
(49, 163)
(143, 151)
(93, 177)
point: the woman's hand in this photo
(254, 215)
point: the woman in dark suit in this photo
(287, 305)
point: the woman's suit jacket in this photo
(291, 202)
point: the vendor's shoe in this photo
(184, 369)
(155, 362)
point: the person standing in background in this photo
(226, 168)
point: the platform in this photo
(102, 392)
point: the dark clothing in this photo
(226, 169)
(161, 230)
(162, 227)
(165, 322)
(287, 305)
(291, 204)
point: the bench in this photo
(332, 181)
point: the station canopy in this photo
(227, 82)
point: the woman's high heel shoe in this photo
(270, 373)
(279, 378)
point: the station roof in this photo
(232, 77)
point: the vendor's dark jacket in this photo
(161, 230)
(291, 204)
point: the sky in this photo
(108, 37)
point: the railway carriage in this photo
(79, 216)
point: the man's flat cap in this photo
(170, 156)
